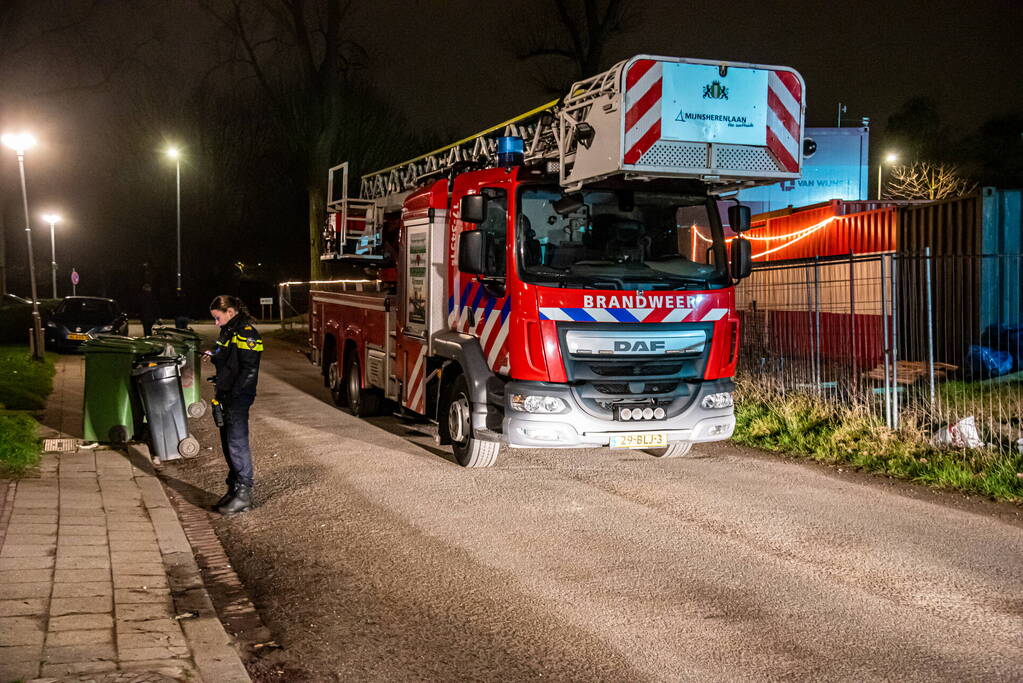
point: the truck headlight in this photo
(717, 401)
(537, 404)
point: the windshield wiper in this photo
(681, 278)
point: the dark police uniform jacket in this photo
(236, 357)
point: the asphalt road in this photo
(372, 556)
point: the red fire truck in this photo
(562, 279)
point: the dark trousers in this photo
(234, 438)
(147, 327)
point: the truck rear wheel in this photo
(675, 449)
(361, 401)
(334, 380)
(456, 428)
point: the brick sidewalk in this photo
(96, 574)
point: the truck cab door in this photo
(476, 306)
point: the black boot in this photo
(224, 499)
(241, 502)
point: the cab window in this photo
(496, 224)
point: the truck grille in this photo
(623, 388)
(635, 368)
(615, 371)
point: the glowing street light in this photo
(175, 154)
(53, 219)
(889, 159)
(20, 143)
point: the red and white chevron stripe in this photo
(489, 327)
(642, 108)
(415, 398)
(784, 105)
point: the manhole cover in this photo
(60, 445)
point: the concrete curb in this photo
(212, 649)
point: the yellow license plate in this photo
(78, 337)
(640, 440)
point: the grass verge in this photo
(809, 427)
(24, 383)
(19, 445)
(24, 386)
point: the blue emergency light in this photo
(510, 151)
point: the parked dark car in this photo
(76, 318)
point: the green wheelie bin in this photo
(112, 411)
(187, 343)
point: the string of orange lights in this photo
(794, 237)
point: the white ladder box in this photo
(726, 123)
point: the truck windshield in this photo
(618, 239)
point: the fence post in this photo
(930, 323)
(852, 318)
(884, 340)
(817, 323)
(280, 302)
(895, 341)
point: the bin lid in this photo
(176, 332)
(163, 341)
(115, 344)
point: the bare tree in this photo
(297, 52)
(570, 39)
(925, 180)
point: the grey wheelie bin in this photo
(111, 411)
(187, 344)
(159, 385)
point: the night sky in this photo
(450, 68)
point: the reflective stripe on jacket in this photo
(236, 357)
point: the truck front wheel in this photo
(675, 449)
(456, 428)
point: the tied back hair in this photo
(225, 301)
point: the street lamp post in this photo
(53, 219)
(889, 159)
(20, 142)
(174, 154)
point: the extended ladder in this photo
(642, 118)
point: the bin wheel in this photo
(188, 447)
(118, 434)
(197, 409)
(676, 449)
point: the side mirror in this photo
(742, 258)
(473, 208)
(739, 217)
(472, 249)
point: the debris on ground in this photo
(962, 434)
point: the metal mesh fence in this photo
(930, 344)
(293, 297)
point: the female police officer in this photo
(236, 357)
